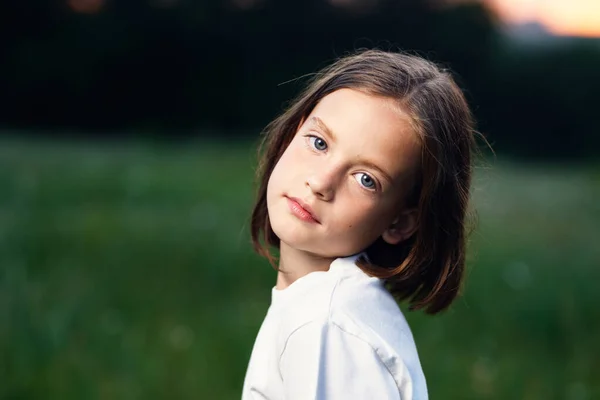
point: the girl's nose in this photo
(322, 185)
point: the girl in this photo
(364, 187)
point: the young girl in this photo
(364, 188)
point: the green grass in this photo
(126, 272)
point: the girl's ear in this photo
(402, 228)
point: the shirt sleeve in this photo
(320, 361)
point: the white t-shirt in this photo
(334, 335)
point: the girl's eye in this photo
(365, 180)
(318, 143)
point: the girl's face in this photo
(342, 181)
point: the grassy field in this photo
(126, 272)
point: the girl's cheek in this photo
(294, 154)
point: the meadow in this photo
(126, 272)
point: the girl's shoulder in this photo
(348, 298)
(353, 306)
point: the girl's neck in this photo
(294, 264)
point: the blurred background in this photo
(127, 149)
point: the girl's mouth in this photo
(301, 210)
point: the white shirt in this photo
(334, 335)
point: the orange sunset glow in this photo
(561, 17)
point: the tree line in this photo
(229, 66)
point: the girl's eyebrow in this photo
(319, 122)
(369, 164)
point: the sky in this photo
(560, 17)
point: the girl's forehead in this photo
(351, 106)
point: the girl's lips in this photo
(301, 210)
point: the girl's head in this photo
(374, 156)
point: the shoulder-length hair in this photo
(427, 268)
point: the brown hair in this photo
(427, 268)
